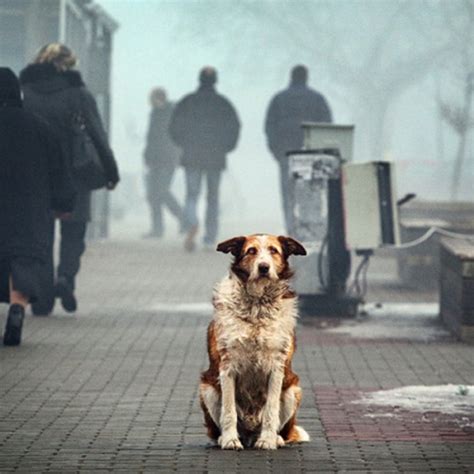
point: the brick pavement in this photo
(114, 388)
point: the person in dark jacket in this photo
(33, 181)
(55, 91)
(287, 110)
(206, 126)
(161, 159)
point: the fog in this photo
(383, 65)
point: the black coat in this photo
(33, 180)
(57, 96)
(206, 126)
(287, 110)
(160, 149)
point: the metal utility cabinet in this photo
(370, 206)
(338, 207)
(311, 174)
(317, 221)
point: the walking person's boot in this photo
(65, 292)
(14, 326)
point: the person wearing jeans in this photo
(206, 127)
(194, 178)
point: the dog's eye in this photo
(273, 250)
(252, 251)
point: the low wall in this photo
(419, 266)
(457, 287)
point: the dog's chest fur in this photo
(254, 334)
(254, 329)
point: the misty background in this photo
(399, 70)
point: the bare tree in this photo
(371, 50)
(459, 21)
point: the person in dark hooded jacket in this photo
(286, 112)
(206, 127)
(56, 92)
(33, 181)
(161, 159)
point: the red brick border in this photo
(344, 420)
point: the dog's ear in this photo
(291, 246)
(234, 246)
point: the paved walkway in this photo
(114, 387)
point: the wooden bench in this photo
(457, 287)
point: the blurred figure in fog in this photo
(33, 181)
(56, 92)
(287, 110)
(161, 159)
(206, 126)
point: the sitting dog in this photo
(249, 394)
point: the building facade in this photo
(26, 25)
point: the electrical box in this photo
(314, 176)
(329, 137)
(310, 174)
(370, 205)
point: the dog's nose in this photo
(263, 268)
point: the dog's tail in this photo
(303, 436)
(298, 435)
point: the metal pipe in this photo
(62, 21)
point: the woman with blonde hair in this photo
(57, 54)
(54, 90)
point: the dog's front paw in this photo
(230, 441)
(267, 441)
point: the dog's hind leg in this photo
(211, 406)
(289, 404)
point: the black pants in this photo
(71, 248)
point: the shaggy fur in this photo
(249, 394)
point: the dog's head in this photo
(261, 256)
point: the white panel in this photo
(327, 135)
(361, 206)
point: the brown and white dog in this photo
(249, 394)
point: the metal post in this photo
(62, 20)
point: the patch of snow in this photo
(465, 422)
(413, 321)
(381, 415)
(446, 399)
(195, 308)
